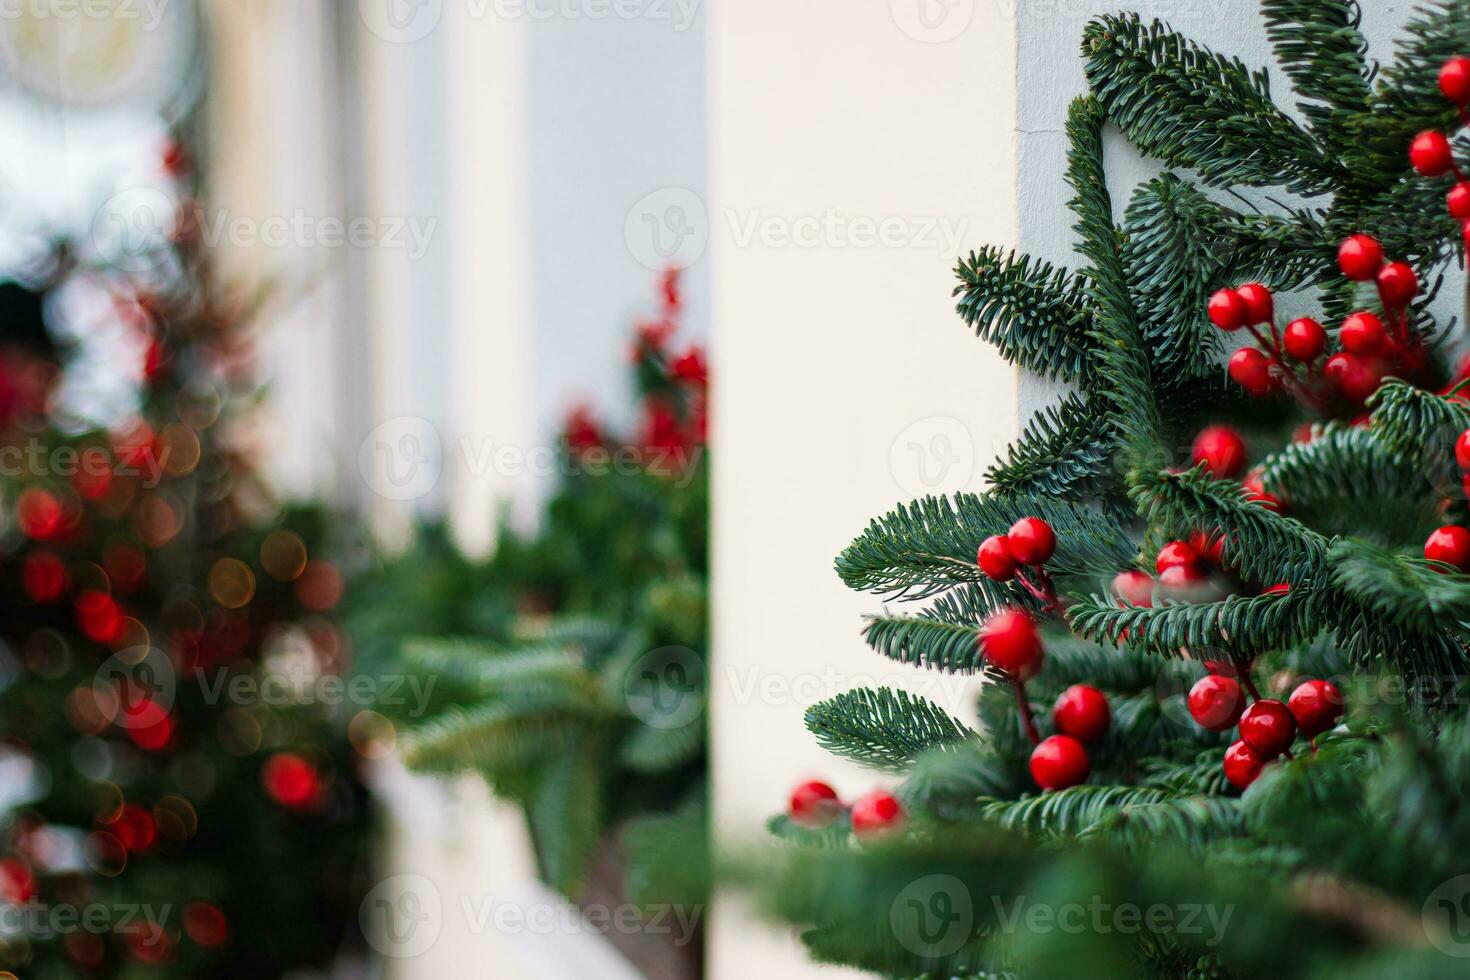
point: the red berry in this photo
(1251, 369)
(1242, 765)
(1360, 257)
(1268, 727)
(1082, 712)
(1449, 544)
(1353, 376)
(1454, 80)
(813, 804)
(1259, 305)
(99, 616)
(1175, 553)
(995, 558)
(1430, 153)
(1397, 284)
(43, 576)
(1363, 333)
(1462, 450)
(1058, 762)
(39, 514)
(1316, 706)
(1135, 588)
(1183, 578)
(1010, 641)
(1227, 310)
(1216, 702)
(1221, 449)
(1211, 548)
(291, 780)
(1032, 541)
(1458, 200)
(1256, 492)
(1304, 339)
(877, 815)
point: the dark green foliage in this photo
(1326, 862)
(883, 729)
(568, 669)
(1033, 313)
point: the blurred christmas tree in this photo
(1226, 729)
(569, 668)
(177, 801)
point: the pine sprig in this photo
(929, 546)
(1064, 449)
(1035, 315)
(883, 729)
(1191, 107)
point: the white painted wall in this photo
(847, 383)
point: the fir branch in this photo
(1034, 314)
(1244, 625)
(1263, 545)
(1062, 452)
(883, 729)
(1070, 812)
(1123, 369)
(1319, 45)
(1190, 107)
(1408, 592)
(929, 546)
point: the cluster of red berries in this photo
(1081, 714)
(1029, 543)
(1431, 153)
(1287, 357)
(815, 805)
(1011, 644)
(1267, 726)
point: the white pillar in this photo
(846, 382)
